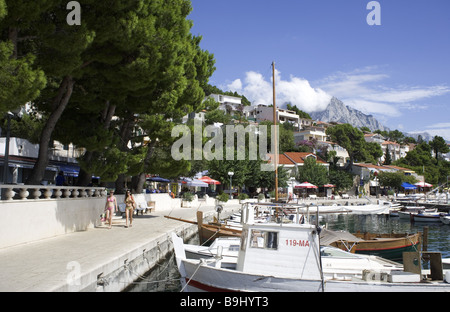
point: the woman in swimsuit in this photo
(110, 207)
(130, 204)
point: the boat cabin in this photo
(287, 250)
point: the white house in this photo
(265, 113)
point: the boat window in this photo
(233, 248)
(264, 239)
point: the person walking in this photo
(110, 207)
(130, 205)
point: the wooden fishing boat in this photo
(389, 246)
(207, 232)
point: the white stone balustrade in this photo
(36, 192)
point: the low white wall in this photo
(163, 201)
(24, 221)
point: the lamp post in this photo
(231, 174)
(376, 185)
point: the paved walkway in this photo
(45, 265)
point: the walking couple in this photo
(111, 207)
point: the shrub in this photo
(242, 196)
(222, 197)
(188, 196)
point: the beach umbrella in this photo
(423, 184)
(306, 185)
(208, 180)
(329, 185)
(158, 179)
(408, 186)
(193, 182)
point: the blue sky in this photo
(398, 71)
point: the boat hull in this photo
(427, 218)
(387, 246)
(203, 278)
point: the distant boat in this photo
(427, 217)
(209, 232)
(409, 212)
(389, 246)
(445, 219)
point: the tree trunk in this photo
(140, 178)
(85, 177)
(59, 105)
(13, 34)
(125, 135)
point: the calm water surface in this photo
(165, 277)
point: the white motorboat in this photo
(427, 217)
(445, 219)
(287, 257)
(409, 212)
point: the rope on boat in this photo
(211, 237)
(187, 283)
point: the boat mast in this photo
(275, 133)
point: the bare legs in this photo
(129, 215)
(109, 216)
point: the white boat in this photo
(394, 209)
(446, 264)
(337, 264)
(287, 257)
(427, 217)
(409, 212)
(445, 219)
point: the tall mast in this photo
(275, 133)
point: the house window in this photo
(264, 239)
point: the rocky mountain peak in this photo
(337, 111)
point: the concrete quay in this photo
(97, 259)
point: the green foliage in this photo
(298, 111)
(217, 115)
(439, 145)
(353, 141)
(387, 157)
(223, 197)
(391, 179)
(342, 179)
(19, 81)
(312, 172)
(188, 196)
(242, 196)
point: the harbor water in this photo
(165, 277)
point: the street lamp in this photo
(231, 174)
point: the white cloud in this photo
(235, 85)
(372, 107)
(297, 91)
(367, 89)
(363, 90)
(441, 129)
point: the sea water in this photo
(165, 277)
